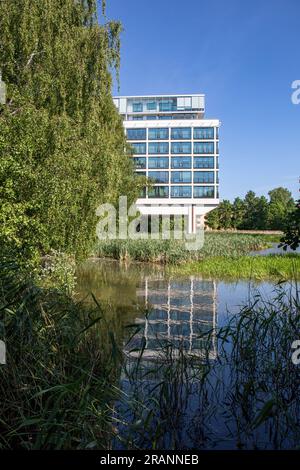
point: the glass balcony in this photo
(178, 133)
(159, 176)
(158, 192)
(161, 162)
(204, 147)
(181, 177)
(204, 177)
(204, 162)
(181, 191)
(204, 191)
(181, 162)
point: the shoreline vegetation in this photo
(224, 255)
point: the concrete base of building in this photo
(195, 213)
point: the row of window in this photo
(177, 133)
(201, 177)
(162, 148)
(153, 117)
(181, 192)
(176, 162)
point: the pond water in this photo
(168, 404)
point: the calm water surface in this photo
(177, 311)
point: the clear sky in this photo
(244, 55)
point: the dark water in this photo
(168, 404)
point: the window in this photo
(181, 147)
(217, 177)
(143, 192)
(159, 176)
(137, 118)
(203, 147)
(181, 162)
(164, 117)
(178, 133)
(137, 107)
(158, 147)
(151, 106)
(161, 133)
(136, 134)
(139, 162)
(181, 191)
(204, 162)
(139, 148)
(158, 191)
(161, 162)
(204, 191)
(167, 105)
(204, 177)
(181, 177)
(203, 132)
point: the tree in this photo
(62, 145)
(280, 206)
(291, 237)
(238, 213)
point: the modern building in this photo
(178, 150)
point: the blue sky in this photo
(244, 55)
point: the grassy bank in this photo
(244, 267)
(174, 251)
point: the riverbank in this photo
(174, 251)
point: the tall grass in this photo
(59, 383)
(244, 267)
(174, 251)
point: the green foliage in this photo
(253, 212)
(62, 367)
(270, 267)
(62, 145)
(174, 251)
(292, 234)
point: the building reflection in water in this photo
(181, 314)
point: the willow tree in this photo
(62, 144)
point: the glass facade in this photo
(159, 176)
(203, 133)
(136, 134)
(158, 133)
(160, 162)
(158, 191)
(181, 177)
(204, 177)
(158, 147)
(181, 147)
(204, 191)
(139, 148)
(181, 162)
(204, 162)
(204, 147)
(173, 146)
(181, 191)
(178, 133)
